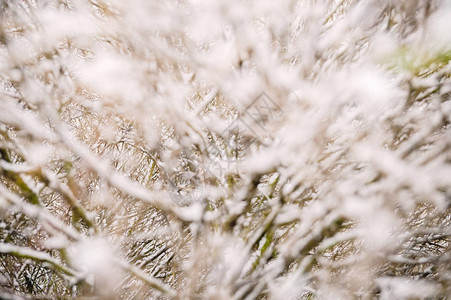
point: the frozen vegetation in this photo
(227, 149)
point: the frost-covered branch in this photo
(225, 149)
(24, 252)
